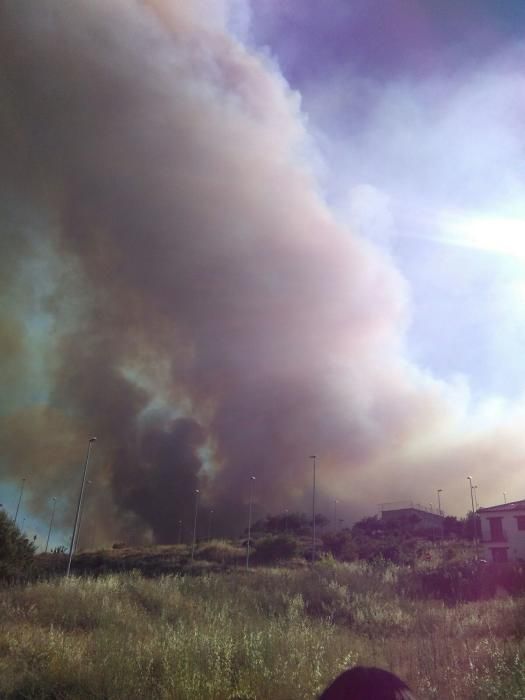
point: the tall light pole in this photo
(252, 479)
(210, 518)
(475, 489)
(439, 492)
(474, 516)
(83, 508)
(20, 498)
(51, 523)
(335, 514)
(504, 496)
(79, 505)
(313, 458)
(196, 492)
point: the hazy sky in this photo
(235, 234)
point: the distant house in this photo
(503, 531)
(413, 515)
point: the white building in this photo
(503, 531)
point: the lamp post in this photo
(81, 515)
(313, 458)
(51, 523)
(20, 498)
(439, 492)
(79, 505)
(252, 479)
(474, 516)
(504, 497)
(475, 489)
(210, 518)
(335, 514)
(196, 492)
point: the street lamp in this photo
(210, 517)
(252, 479)
(475, 489)
(51, 523)
(313, 458)
(335, 514)
(82, 510)
(504, 497)
(79, 505)
(474, 516)
(196, 492)
(20, 498)
(439, 492)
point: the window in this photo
(496, 530)
(520, 519)
(499, 555)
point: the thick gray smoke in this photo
(178, 288)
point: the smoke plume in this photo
(176, 285)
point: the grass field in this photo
(268, 633)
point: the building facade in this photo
(503, 532)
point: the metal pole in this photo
(51, 523)
(210, 517)
(180, 531)
(83, 508)
(79, 506)
(504, 497)
(476, 497)
(439, 492)
(313, 458)
(252, 479)
(335, 514)
(474, 517)
(195, 524)
(20, 499)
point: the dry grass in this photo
(271, 633)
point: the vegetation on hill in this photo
(268, 633)
(16, 551)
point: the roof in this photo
(504, 507)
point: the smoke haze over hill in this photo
(176, 285)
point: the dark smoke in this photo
(209, 320)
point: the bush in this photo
(220, 552)
(276, 548)
(16, 552)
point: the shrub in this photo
(276, 548)
(16, 551)
(220, 552)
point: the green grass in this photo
(268, 633)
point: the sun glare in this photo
(502, 235)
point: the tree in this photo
(16, 551)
